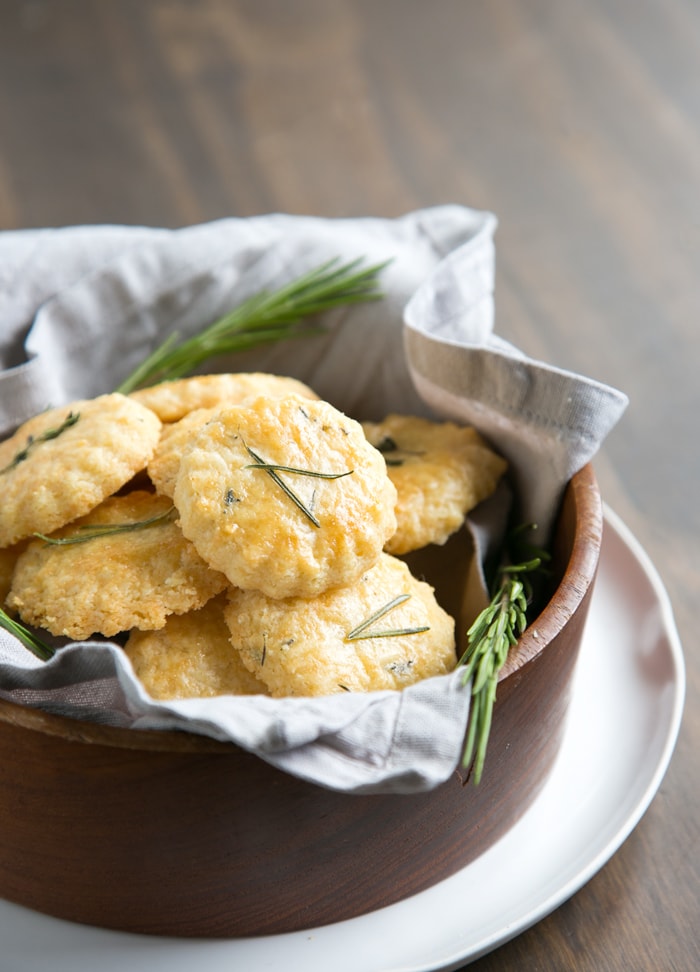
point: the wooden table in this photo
(577, 122)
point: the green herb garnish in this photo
(295, 469)
(265, 317)
(361, 631)
(29, 640)
(494, 632)
(46, 436)
(387, 446)
(272, 469)
(95, 531)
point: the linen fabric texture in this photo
(81, 306)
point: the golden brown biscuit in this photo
(62, 463)
(441, 471)
(115, 581)
(307, 647)
(191, 657)
(8, 559)
(174, 440)
(246, 502)
(172, 400)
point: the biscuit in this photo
(279, 530)
(302, 647)
(116, 581)
(440, 470)
(191, 657)
(174, 439)
(8, 559)
(172, 400)
(62, 463)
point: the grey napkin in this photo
(81, 306)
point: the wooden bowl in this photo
(175, 834)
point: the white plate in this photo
(620, 735)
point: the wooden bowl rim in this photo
(578, 577)
(577, 580)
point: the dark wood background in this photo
(577, 122)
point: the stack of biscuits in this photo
(238, 535)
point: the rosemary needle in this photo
(29, 640)
(272, 469)
(94, 531)
(361, 631)
(285, 487)
(295, 469)
(387, 446)
(46, 436)
(265, 317)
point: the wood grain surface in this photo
(577, 122)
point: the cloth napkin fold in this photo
(81, 306)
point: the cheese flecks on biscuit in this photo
(440, 470)
(116, 581)
(172, 400)
(302, 647)
(62, 463)
(191, 657)
(285, 496)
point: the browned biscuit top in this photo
(62, 463)
(285, 496)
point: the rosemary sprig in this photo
(494, 632)
(265, 317)
(46, 436)
(94, 531)
(272, 469)
(29, 640)
(361, 631)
